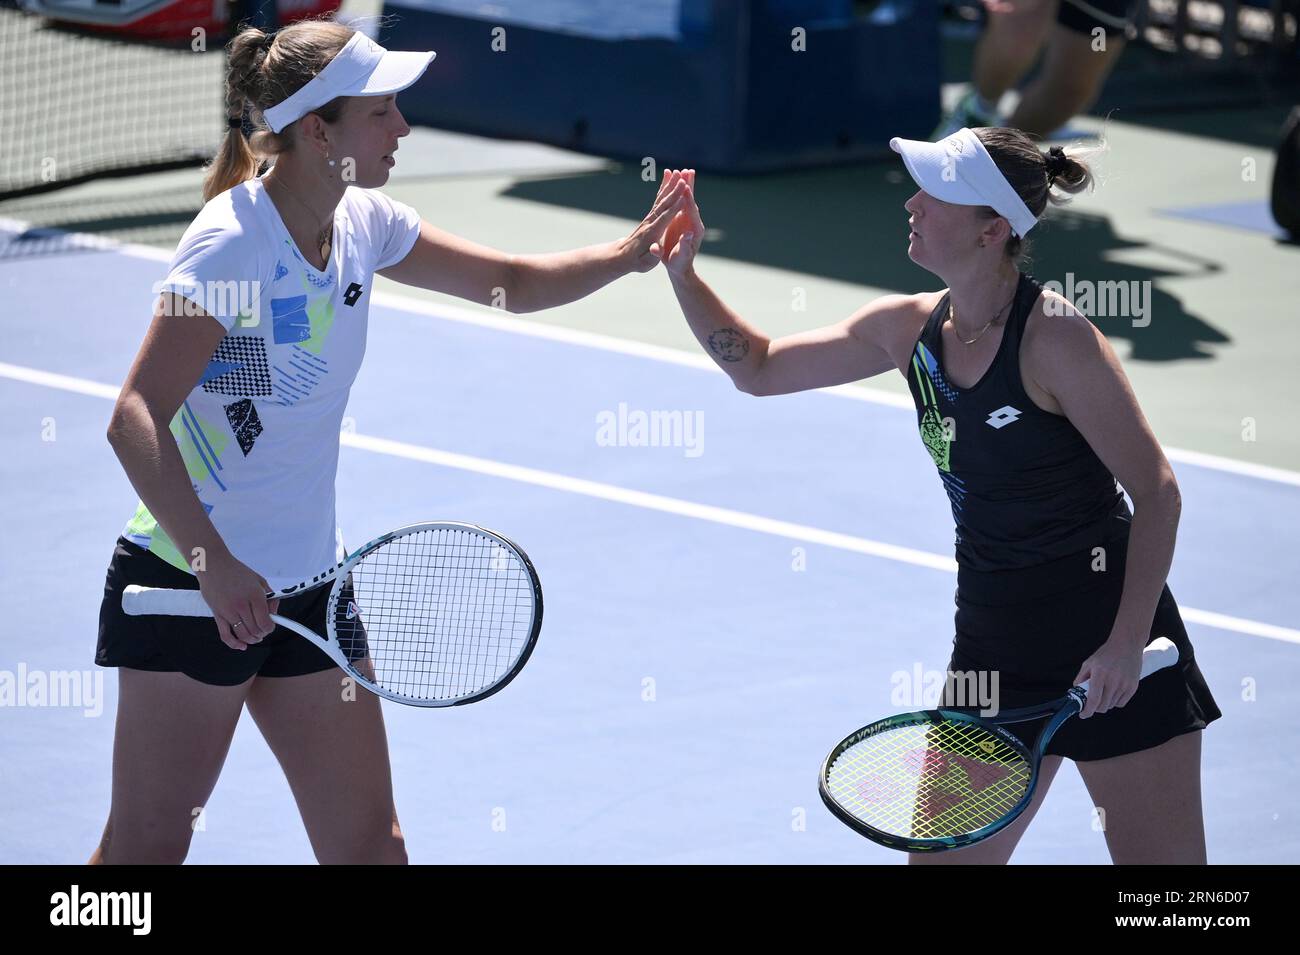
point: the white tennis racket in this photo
(434, 614)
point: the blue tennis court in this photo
(732, 584)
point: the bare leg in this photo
(1152, 803)
(1072, 76)
(171, 740)
(334, 752)
(1009, 46)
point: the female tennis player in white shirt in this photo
(228, 427)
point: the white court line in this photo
(493, 319)
(48, 379)
(654, 502)
(571, 336)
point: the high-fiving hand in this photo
(685, 232)
(672, 230)
(645, 245)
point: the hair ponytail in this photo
(1065, 172)
(265, 69)
(236, 162)
(1035, 175)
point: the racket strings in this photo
(929, 780)
(437, 614)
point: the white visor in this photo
(960, 170)
(361, 68)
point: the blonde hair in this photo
(265, 69)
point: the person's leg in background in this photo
(1083, 47)
(1013, 36)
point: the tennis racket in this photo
(435, 614)
(942, 779)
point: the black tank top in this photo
(1024, 484)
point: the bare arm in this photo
(556, 278)
(175, 351)
(856, 348)
(1073, 362)
(528, 283)
(176, 348)
(818, 358)
(447, 263)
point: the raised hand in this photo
(685, 233)
(645, 245)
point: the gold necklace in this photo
(325, 238)
(981, 332)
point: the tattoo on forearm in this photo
(728, 344)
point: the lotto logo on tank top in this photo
(1002, 417)
(352, 294)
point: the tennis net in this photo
(80, 101)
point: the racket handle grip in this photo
(140, 601)
(1159, 654)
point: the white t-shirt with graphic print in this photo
(260, 431)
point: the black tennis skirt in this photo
(191, 645)
(1035, 626)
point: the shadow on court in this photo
(60, 223)
(848, 224)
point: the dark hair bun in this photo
(1057, 162)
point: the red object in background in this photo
(177, 21)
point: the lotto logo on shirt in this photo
(216, 298)
(352, 294)
(1002, 417)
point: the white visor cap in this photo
(960, 170)
(361, 68)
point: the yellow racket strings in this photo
(929, 780)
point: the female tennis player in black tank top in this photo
(1029, 419)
